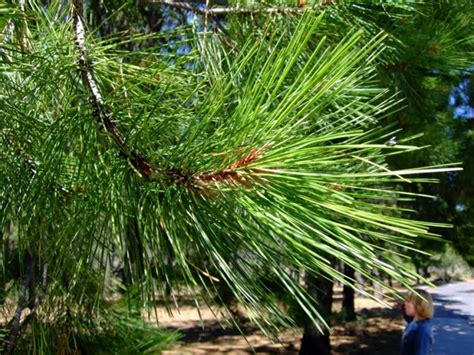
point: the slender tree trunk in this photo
(348, 308)
(377, 288)
(4, 243)
(417, 265)
(134, 257)
(390, 281)
(26, 298)
(360, 281)
(426, 273)
(315, 342)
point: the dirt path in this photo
(376, 331)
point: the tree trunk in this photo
(426, 273)
(390, 281)
(360, 281)
(348, 308)
(315, 342)
(26, 298)
(377, 288)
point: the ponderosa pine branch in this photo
(140, 163)
(100, 112)
(275, 10)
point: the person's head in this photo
(419, 305)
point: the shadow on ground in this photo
(453, 328)
(377, 331)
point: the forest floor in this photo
(377, 330)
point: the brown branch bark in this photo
(100, 112)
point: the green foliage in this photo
(449, 265)
(117, 331)
(438, 46)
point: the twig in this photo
(277, 10)
(100, 112)
(221, 35)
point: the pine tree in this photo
(257, 155)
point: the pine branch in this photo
(140, 163)
(276, 10)
(100, 112)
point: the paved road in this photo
(453, 323)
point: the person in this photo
(417, 338)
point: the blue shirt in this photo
(417, 338)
